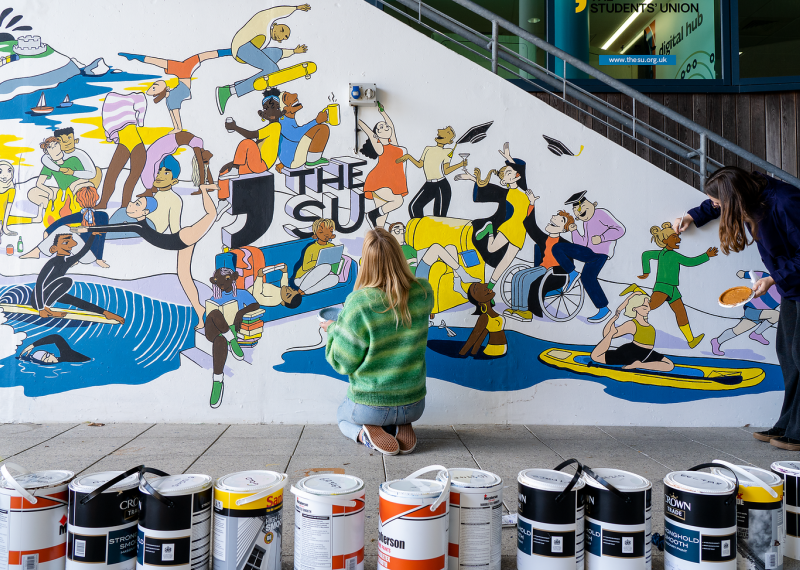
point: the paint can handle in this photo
(744, 473)
(143, 482)
(445, 495)
(4, 470)
(575, 479)
(736, 478)
(590, 473)
(265, 493)
(110, 483)
(325, 499)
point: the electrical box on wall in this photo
(363, 94)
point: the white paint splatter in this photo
(9, 339)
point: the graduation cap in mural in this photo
(473, 135)
(576, 198)
(558, 148)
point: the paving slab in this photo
(279, 431)
(247, 446)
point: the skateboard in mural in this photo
(304, 69)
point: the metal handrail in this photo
(561, 85)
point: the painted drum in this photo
(476, 513)
(175, 523)
(101, 531)
(329, 523)
(699, 521)
(618, 524)
(33, 518)
(789, 471)
(413, 522)
(248, 520)
(759, 509)
(550, 519)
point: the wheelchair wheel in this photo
(506, 279)
(560, 306)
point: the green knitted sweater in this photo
(385, 361)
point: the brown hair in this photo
(740, 197)
(46, 142)
(568, 217)
(384, 267)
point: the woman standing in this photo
(379, 340)
(770, 211)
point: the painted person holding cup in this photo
(769, 211)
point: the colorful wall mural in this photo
(176, 213)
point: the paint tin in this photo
(101, 530)
(174, 522)
(789, 471)
(699, 520)
(759, 509)
(33, 518)
(550, 519)
(476, 513)
(618, 520)
(413, 522)
(248, 520)
(329, 523)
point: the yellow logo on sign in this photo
(268, 538)
(581, 6)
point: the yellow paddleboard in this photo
(682, 376)
(304, 69)
(70, 314)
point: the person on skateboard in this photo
(251, 45)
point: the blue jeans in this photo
(566, 252)
(265, 60)
(352, 417)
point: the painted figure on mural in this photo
(489, 323)
(122, 116)
(386, 183)
(183, 71)
(168, 214)
(168, 145)
(435, 163)
(8, 192)
(313, 275)
(667, 275)
(639, 353)
(301, 144)
(65, 354)
(760, 313)
(67, 141)
(221, 330)
(252, 45)
(269, 295)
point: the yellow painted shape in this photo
(227, 500)
(71, 314)
(149, 134)
(304, 69)
(13, 153)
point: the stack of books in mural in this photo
(252, 329)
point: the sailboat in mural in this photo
(42, 108)
(65, 103)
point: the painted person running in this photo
(668, 275)
(760, 313)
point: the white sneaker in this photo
(222, 207)
(232, 173)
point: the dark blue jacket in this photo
(778, 234)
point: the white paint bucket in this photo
(248, 520)
(618, 520)
(699, 520)
(413, 522)
(103, 517)
(550, 519)
(759, 509)
(329, 523)
(174, 522)
(33, 518)
(476, 513)
(789, 471)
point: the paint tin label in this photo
(249, 535)
(475, 529)
(328, 536)
(789, 471)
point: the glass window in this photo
(769, 38)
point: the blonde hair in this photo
(484, 182)
(661, 234)
(634, 303)
(384, 267)
(326, 222)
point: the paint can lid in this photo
(180, 484)
(768, 477)
(89, 483)
(330, 484)
(413, 488)
(548, 479)
(699, 482)
(248, 481)
(791, 468)
(466, 478)
(624, 481)
(39, 479)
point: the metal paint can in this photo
(789, 471)
(476, 518)
(618, 521)
(174, 522)
(699, 520)
(33, 518)
(329, 523)
(101, 530)
(413, 522)
(248, 520)
(550, 519)
(759, 510)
